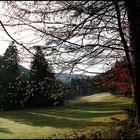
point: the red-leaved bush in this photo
(117, 80)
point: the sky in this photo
(28, 36)
(5, 40)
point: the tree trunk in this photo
(137, 62)
(133, 9)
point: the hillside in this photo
(65, 77)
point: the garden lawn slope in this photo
(78, 117)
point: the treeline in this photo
(17, 90)
(81, 87)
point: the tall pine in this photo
(9, 74)
(42, 79)
(11, 60)
(40, 69)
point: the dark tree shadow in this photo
(5, 130)
(101, 106)
(77, 116)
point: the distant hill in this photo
(64, 77)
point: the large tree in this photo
(43, 82)
(11, 60)
(10, 74)
(40, 69)
(11, 68)
(133, 10)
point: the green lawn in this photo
(80, 116)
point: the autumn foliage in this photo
(117, 80)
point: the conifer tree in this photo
(11, 60)
(10, 74)
(42, 79)
(40, 68)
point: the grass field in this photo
(81, 116)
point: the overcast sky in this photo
(28, 36)
(5, 41)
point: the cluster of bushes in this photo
(17, 90)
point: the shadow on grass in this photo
(5, 130)
(100, 106)
(73, 120)
(75, 116)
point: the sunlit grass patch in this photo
(81, 116)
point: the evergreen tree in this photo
(11, 60)
(40, 68)
(12, 72)
(43, 80)
(9, 73)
